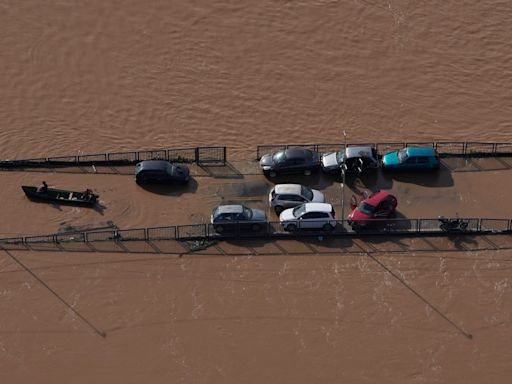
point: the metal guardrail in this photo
(269, 230)
(198, 155)
(444, 148)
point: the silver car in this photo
(352, 160)
(237, 217)
(284, 196)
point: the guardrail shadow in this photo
(405, 246)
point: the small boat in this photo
(61, 196)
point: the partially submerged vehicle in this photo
(370, 208)
(411, 159)
(61, 196)
(290, 161)
(161, 172)
(284, 196)
(353, 160)
(237, 217)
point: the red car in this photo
(368, 207)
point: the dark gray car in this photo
(290, 161)
(237, 217)
(161, 172)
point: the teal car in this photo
(411, 159)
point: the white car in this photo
(284, 196)
(309, 216)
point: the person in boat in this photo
(43, 188)
(88, 194)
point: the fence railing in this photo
(268, 230)
(198, 155)
(444, 148)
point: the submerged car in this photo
(161, 172)
(350, 160)
(237, 217)
(370, 207)
(309, 216)
(411, 158)
(290, 161)
(284, 196)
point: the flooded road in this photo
(113, 76)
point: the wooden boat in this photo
(61, 196)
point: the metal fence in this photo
(269, 230)
(198, 155)
(444, 148)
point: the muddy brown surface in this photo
(100, 76)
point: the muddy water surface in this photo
(89, 77)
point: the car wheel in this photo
(291, 228)
(307, 172)
(272, 174)
(328, 227)
(278, 209)
(256, 227)
(219, 228)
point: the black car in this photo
(293, 160)
(161, 172)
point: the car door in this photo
(410, 163)
(307, 220)
(423, 162)
(294, 200)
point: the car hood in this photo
(258, 215)
(318, 197)
(329, 160)
(266, 160)
(287, 215)
(356, 215)
(390, 159)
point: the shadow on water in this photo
(171, 190)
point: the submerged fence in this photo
(198, 155)
(444, 148)
(268, 230)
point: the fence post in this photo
(479, 225)
(196, 153)
(86, 240)
(54, 239)
(509, 225)
(418, 225)
(145, 234)
(225, 156)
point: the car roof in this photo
(377, 197)
(318, 207)
(295, 189)
(233, 208)
(297, 153)
(153, 165)
(358, 152)
(421, 151)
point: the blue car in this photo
(411, 159)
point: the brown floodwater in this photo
(96, 76)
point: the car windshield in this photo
(247, 213)
(339, 157)
(402, 155)
(279, 157)
(366, 208)
(307, 193)
(299, 211)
